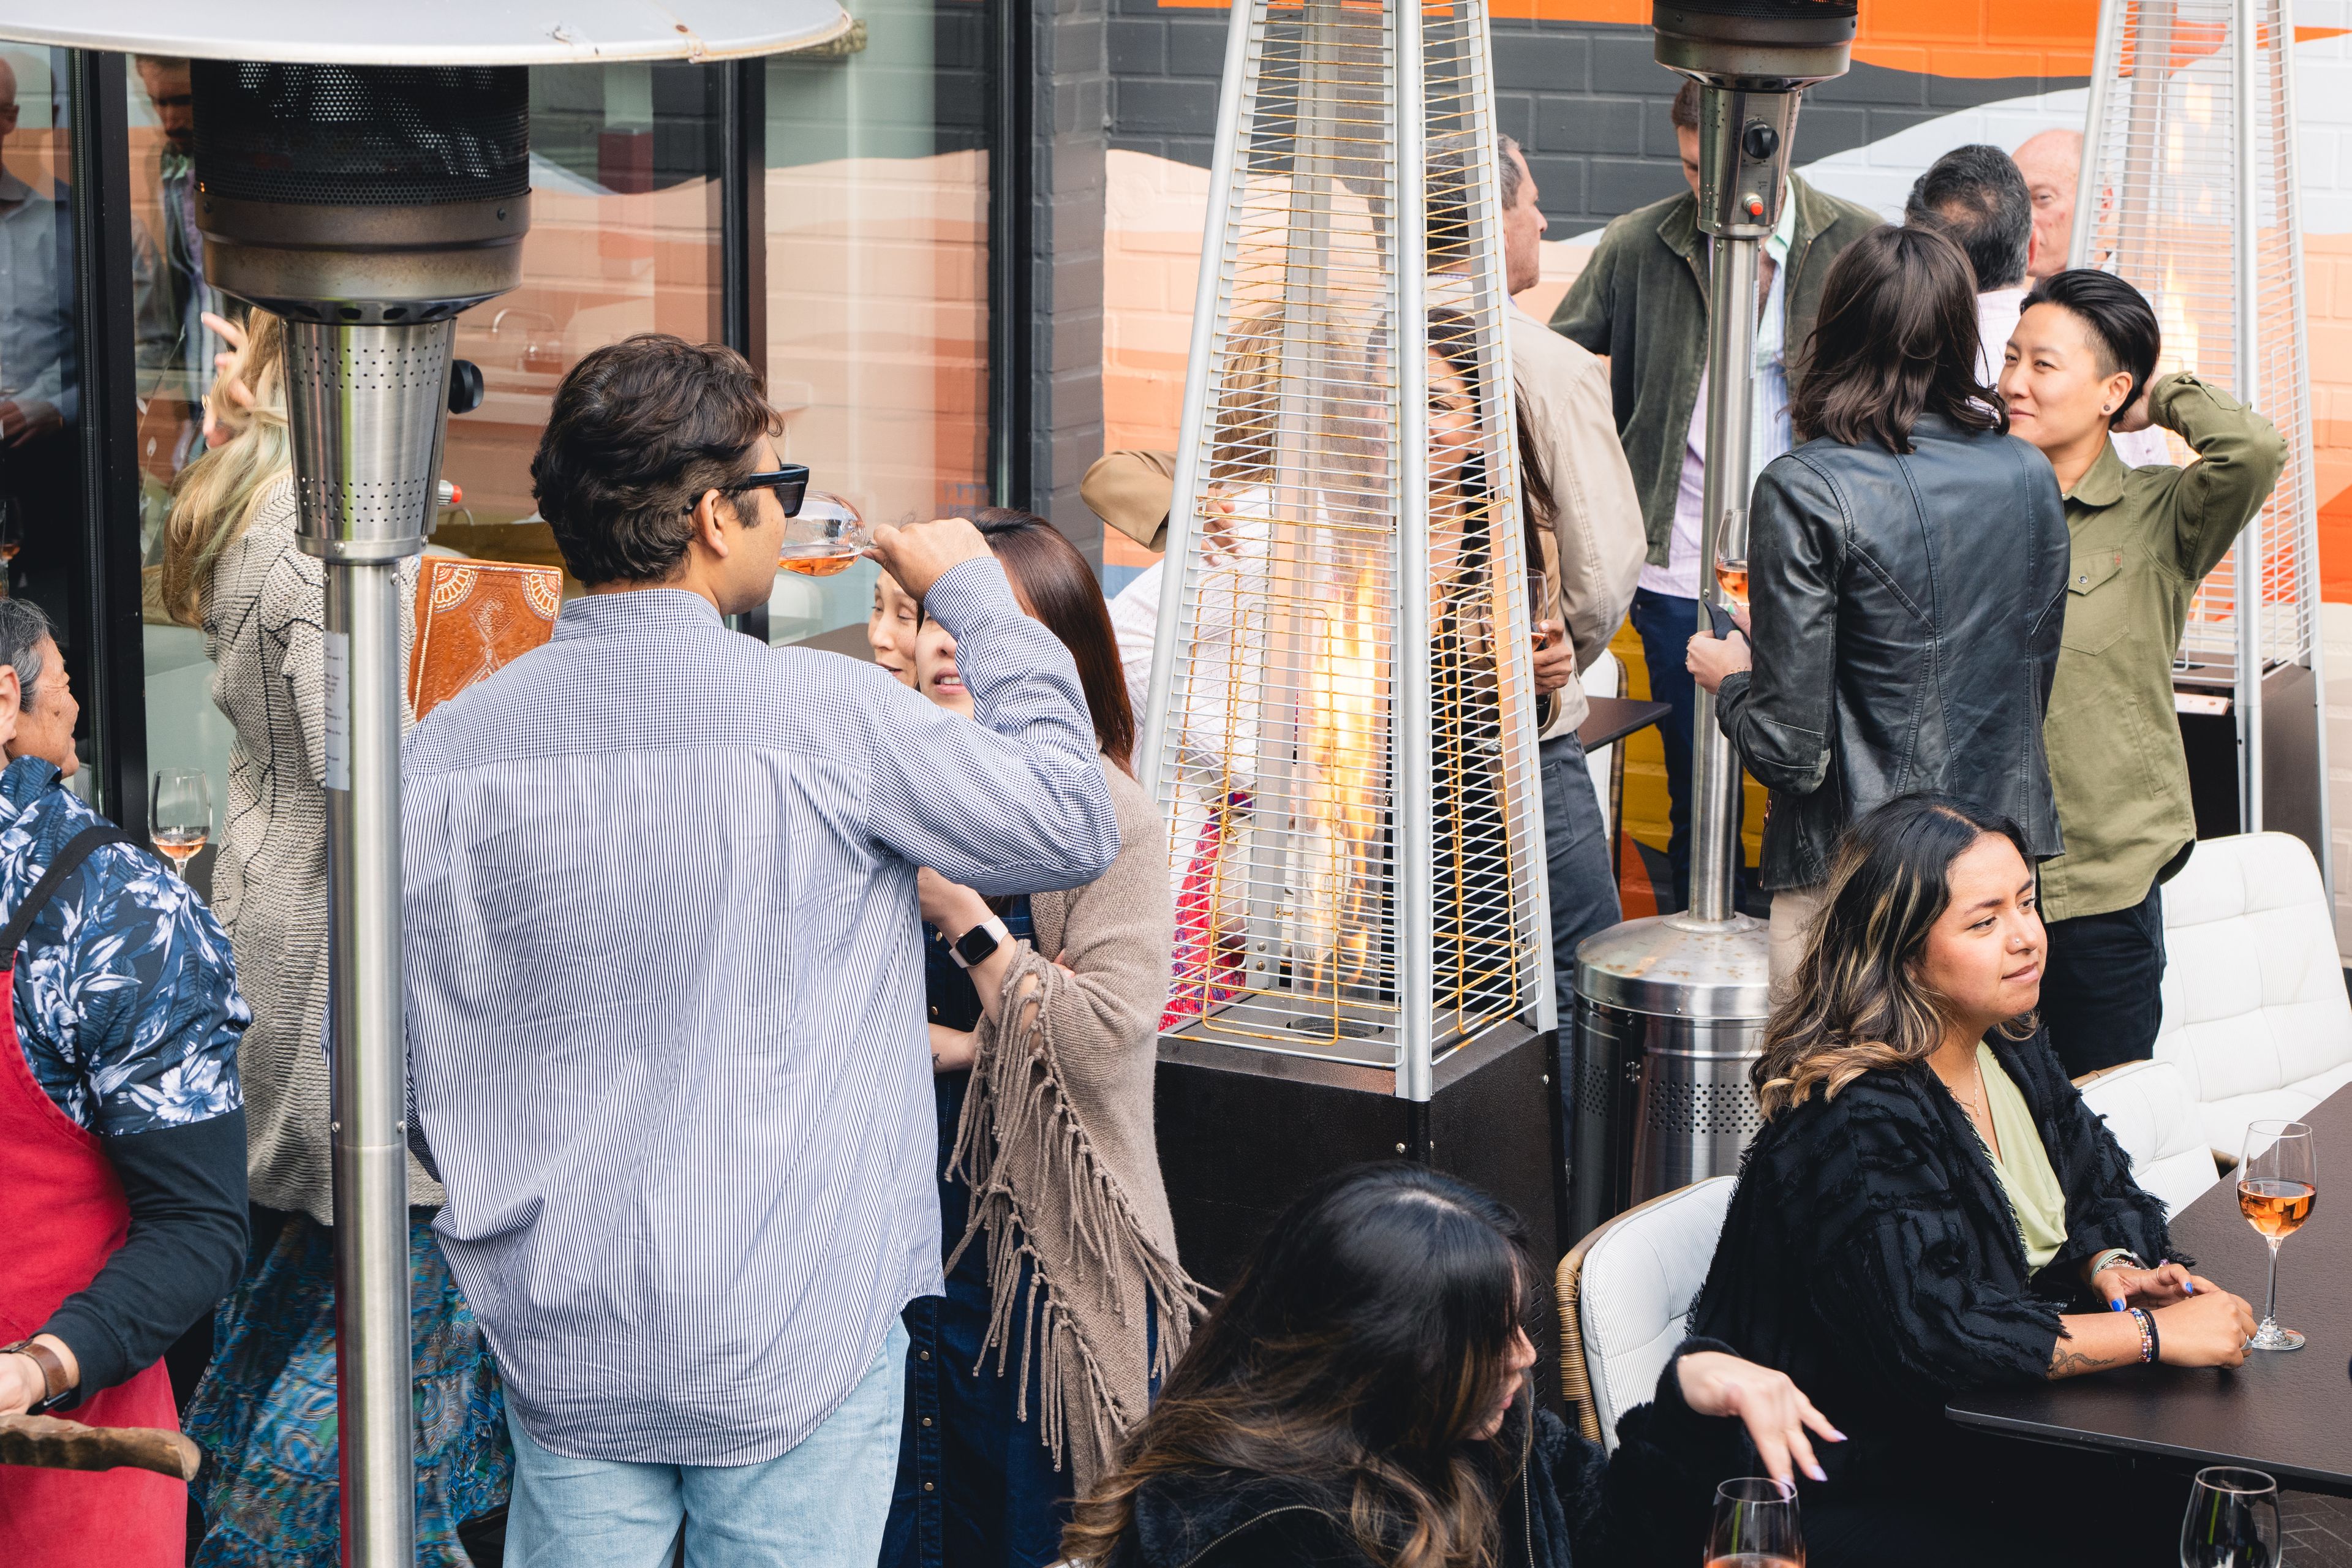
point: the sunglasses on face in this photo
(790, 483)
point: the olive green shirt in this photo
(2143, 540)
(2027, 1179)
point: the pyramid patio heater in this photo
(2188, 193)
(1671, 1009)
(1340, 730)
(364, 172)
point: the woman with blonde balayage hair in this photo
(1931, 1208)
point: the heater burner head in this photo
(1761, 45)
(375, 194)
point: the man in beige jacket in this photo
(1592, 556)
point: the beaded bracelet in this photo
(2147, 1333)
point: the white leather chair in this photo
(2255, 1016)
(1626, 1295)
(2149, 1107)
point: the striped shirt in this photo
(664, 976)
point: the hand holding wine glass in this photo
(180, 813)
(2278, 1183)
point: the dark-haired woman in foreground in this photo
(1908, 564)
(1359, 1400)
(1064, 1299)
(1930, 1208)
(2081, 364)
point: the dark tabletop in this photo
(1612, 719)
(2288, 1412)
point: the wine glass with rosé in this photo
(180, 812)
(2278, 1183)
(823, 537)
(1755, 1525)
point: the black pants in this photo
(2099, 986)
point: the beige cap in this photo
(1132, 491)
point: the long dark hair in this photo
(1057, 587)
(1856, 1003)
(1362, 1344)
(1896, 338)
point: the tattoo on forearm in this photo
(2067, 1363)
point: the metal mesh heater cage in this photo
(384, 136)
(2189, 193)
(1342, 732)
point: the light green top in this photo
(2023, 1166)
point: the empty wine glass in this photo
(1755, 1525)
(2232, 1520)
(2278, 1183)
(180, 813)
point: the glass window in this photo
(40, 394)
(877, 281)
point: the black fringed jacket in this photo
(1871, 1254)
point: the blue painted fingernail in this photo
(2115, 1304)
(2190, 1288)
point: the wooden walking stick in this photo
(47, 1443)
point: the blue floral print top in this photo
(125, 993)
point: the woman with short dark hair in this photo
(1064, 1299)
(1908, 564)
(2080, 366)
(1931, 1208)
(1360, 1400)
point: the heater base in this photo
(1242, 1132)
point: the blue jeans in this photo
(1582, 881)
(820, 1506)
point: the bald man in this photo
(2051, 164)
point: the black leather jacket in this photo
(1906, 615)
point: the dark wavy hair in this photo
(2122, 323)
(639, 430)
(1856, 1003)
(1896, 338)
(1362, 1344)
(1059, 590)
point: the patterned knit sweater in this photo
(264, 628)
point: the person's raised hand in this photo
(951, 907)
(2136, 416)
(1774, 1410)
(920, 553)
(1555, 659)
(2208, 1329)
(1710, 659)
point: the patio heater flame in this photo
(1339, 726)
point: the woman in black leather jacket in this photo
(1359, 1400)
(1930, 1207)
(1909, 572)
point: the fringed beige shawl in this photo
(1056, 1144)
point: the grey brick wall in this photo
(1071, 116)
(1586, 100)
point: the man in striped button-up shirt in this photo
(665, 983)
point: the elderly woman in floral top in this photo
(122, 1129)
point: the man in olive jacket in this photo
(1642, 300)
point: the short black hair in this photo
(639, 430)
(2122, 323)
(1976, 194)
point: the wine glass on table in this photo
(2278, 1182)
(2232, 1520)
(180, 813)
(1755, 1525)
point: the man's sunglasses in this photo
(790, 483)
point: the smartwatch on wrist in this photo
(975, 945)
(54, 1387)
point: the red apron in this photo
(65, 1216)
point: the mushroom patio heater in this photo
(1340, 731)
(364, 172)
(1671, 1009)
